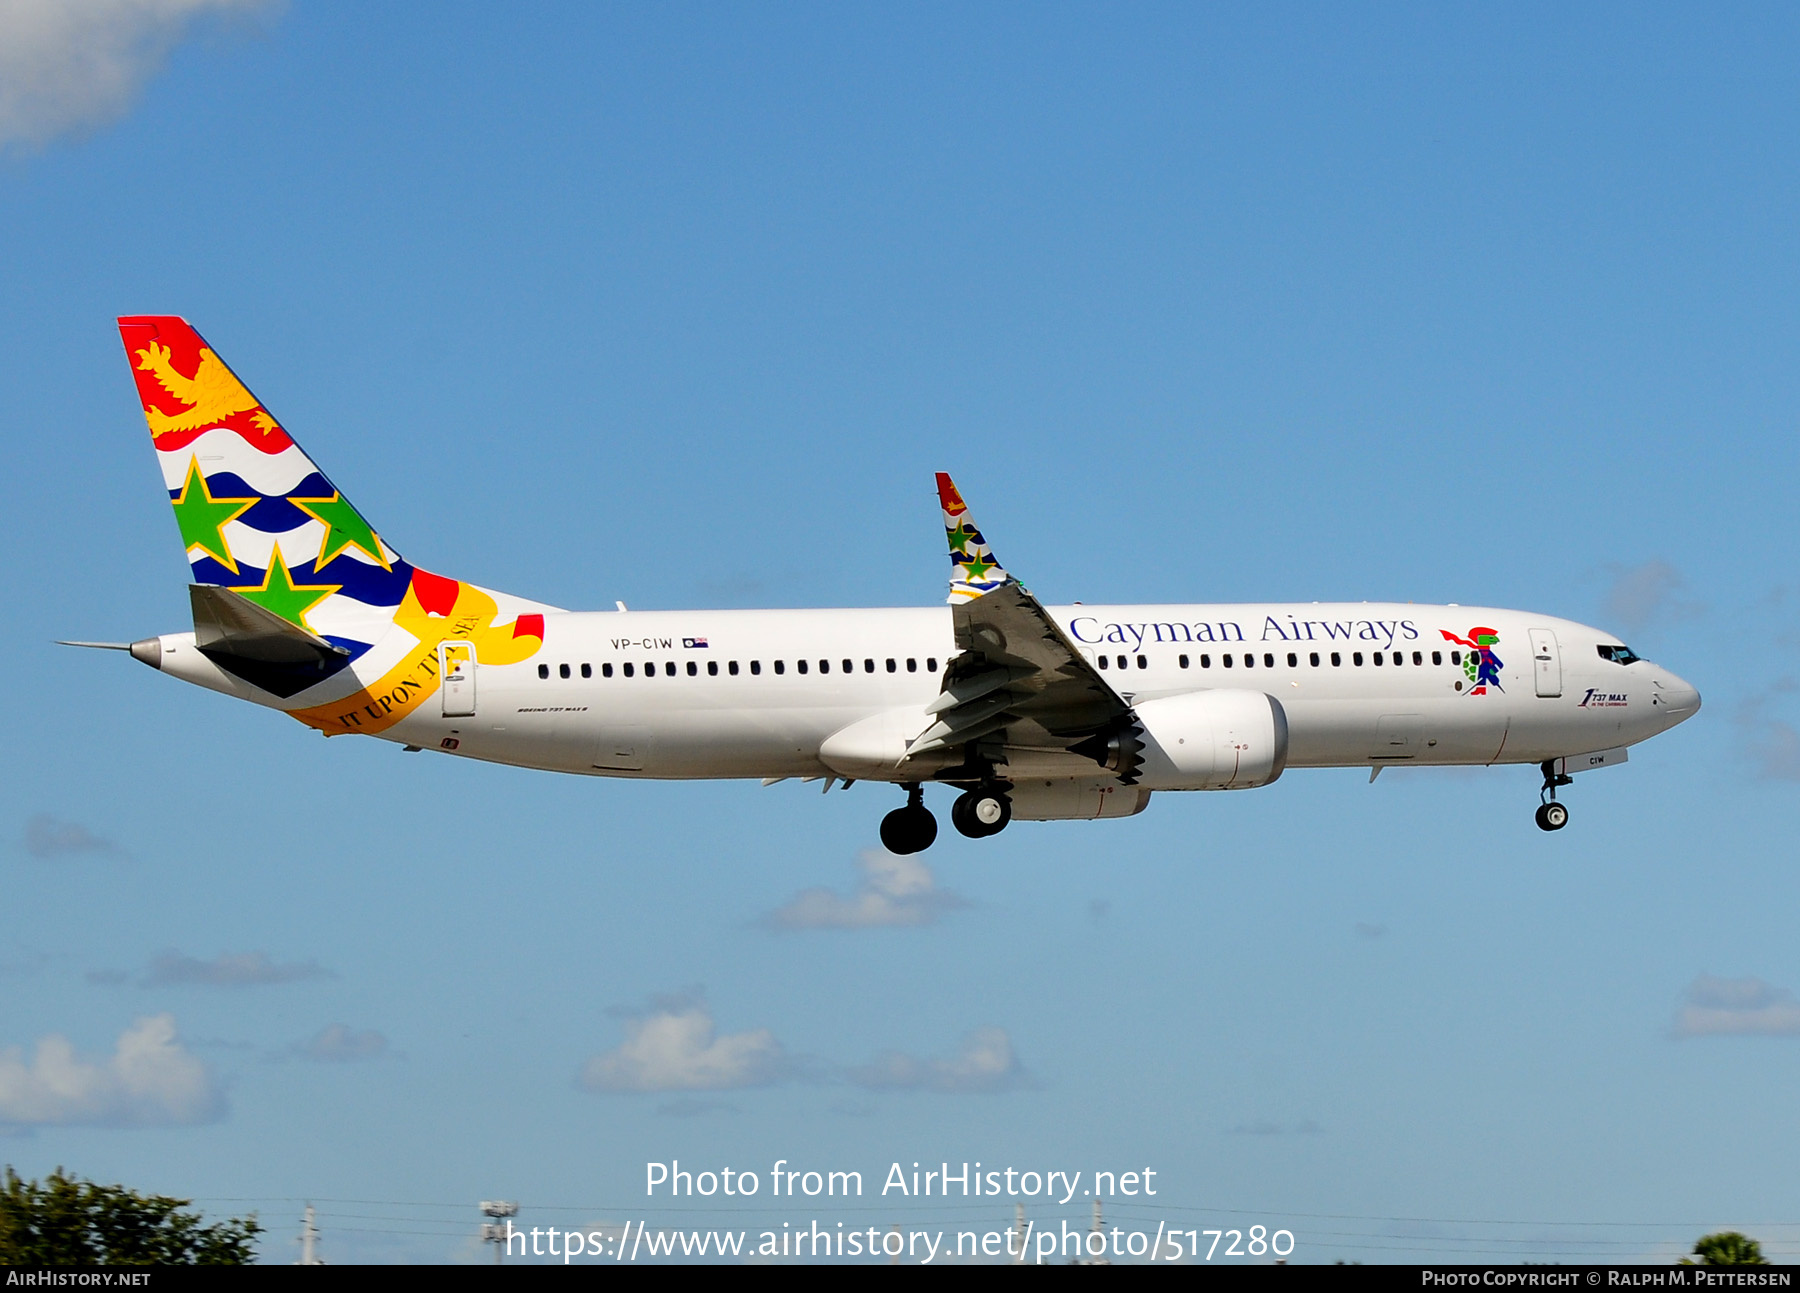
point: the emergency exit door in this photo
(1546, 662)
(457, 661)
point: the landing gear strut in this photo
(1552, 816)
(981, 812)
(911, 829)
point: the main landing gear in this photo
(911, 829)
(1552, 816)
(976, 813)
(981, 812)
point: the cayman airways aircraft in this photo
(1032, 712)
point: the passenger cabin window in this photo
(931, 663)
(756, 666)
(1206, 662)
(1293, 660)
(781, 666)
(712, 668)
(562, 671)
(1337, 660)
(849, 666)
(629, 671)
(912, 665)
(1437, 657)
(1356, 658)
(693, 669)
(1181, 661)
(606, 671)
(868, 666)
(587, 671)
(1103, 664)
(891, 665)
(1225, 660)
(1143, 663)
(1456, 657)
(798, 664)
(1269, 659)
(669, 668)
(543, 671)
(1313, 659)
(731, 668)
(1418, 658)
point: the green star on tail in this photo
(203, 518)
(344, 528)
(976, 568)
(959, 537)
(287, 599)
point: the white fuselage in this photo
(636, 694)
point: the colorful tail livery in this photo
(260, 521)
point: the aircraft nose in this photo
(1678, 698)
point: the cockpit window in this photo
(1618, 654)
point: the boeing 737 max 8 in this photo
(1032, 712)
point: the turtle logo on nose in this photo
(1481, 664)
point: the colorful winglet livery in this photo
(973, 570)
(261, 524)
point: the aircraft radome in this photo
(1029, 712)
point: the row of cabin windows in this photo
(1226, 661)
(1248, 659)
(731, 667)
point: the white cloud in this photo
(675, 1047)
(895, 890)
(45, 837)
(149, 1080)
(1742, 1007)
(336, 1043)
(1643, 594)
(66, 64)
(227, 970)
(986, 1062)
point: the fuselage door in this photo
(457, 662)
(1546, 662)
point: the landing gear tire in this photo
(980, 813)
(909, 830)
(1552, 817)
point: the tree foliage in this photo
(70, 1222)
(1729, 1248)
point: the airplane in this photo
(1030, 712)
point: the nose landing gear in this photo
(1552, 816)
(981, 812)
(911, 829)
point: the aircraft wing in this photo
(1017, 681)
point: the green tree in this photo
(70, 1222)
(1728, 1248)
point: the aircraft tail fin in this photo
(271, 542)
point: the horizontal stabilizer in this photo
(228, 623)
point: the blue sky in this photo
(683, 306)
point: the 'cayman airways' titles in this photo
(1089, 631)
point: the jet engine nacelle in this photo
(1212, 740)
(1037, 800)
